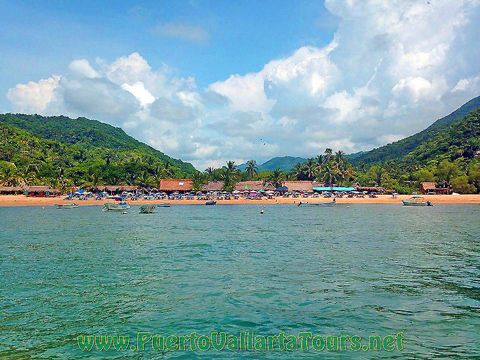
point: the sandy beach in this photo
(22, 200)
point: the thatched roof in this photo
(428, 185)
(175, 185)
(303, 186)
(213, 186)
(8, 189)
(252, 185)
(41, 188)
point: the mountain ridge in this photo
(86, 132)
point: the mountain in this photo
(285, 163)
(89, 134)
(459, 139)
(401, 148)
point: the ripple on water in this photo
(360, 269)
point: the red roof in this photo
(175, 185)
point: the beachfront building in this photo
(175, 185)
(252, 186)
(41, 191)
(431, 188)
(11, 190)
(213, 186)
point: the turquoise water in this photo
(357, 269)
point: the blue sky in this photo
(210, 81)
(43, 37)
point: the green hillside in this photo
(88, 134)
(460, 139)
(285, 163)
(60, 153)
(402, 147)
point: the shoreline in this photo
(22, 200)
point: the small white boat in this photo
(325, 203)
(416, 201)
(67, 206)
(119, 206)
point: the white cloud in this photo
(34, 97)
(391, 69)
(138, 90)
(82, 68)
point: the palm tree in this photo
(298, 171)
(311, 169)
(168, 171)
(251, 168)
(158, 173)
(9, 174)
(198, 180)
(328, 174)
(231, 166)
(275, 179)
(229, 175)
(31, 172)
(327, 155)
(339, 157)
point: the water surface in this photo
(350, 269)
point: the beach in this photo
(22, 200)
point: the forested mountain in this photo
(400, 148)
(63, 152)
(87, 133)
(285, 163)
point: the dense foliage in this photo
(64, 152)
(401, 148)
(87, 134)
(95, 159)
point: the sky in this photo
(211, 81)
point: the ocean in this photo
(347, 270)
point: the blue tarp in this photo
(334, 188)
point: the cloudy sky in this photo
(210, 81)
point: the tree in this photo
(446, 170)
(424, 175)
(328, 174)
(460, 184)
(275, 179)
(198, 180)
(229, 176)
(9, 174)
(311, 169)
(251, 168)
(474, 175)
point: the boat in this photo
(416, 200)
(325, 203)
(67, 206)
(147, 209)
(211, 202)
(163, 205)
(120, 206)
